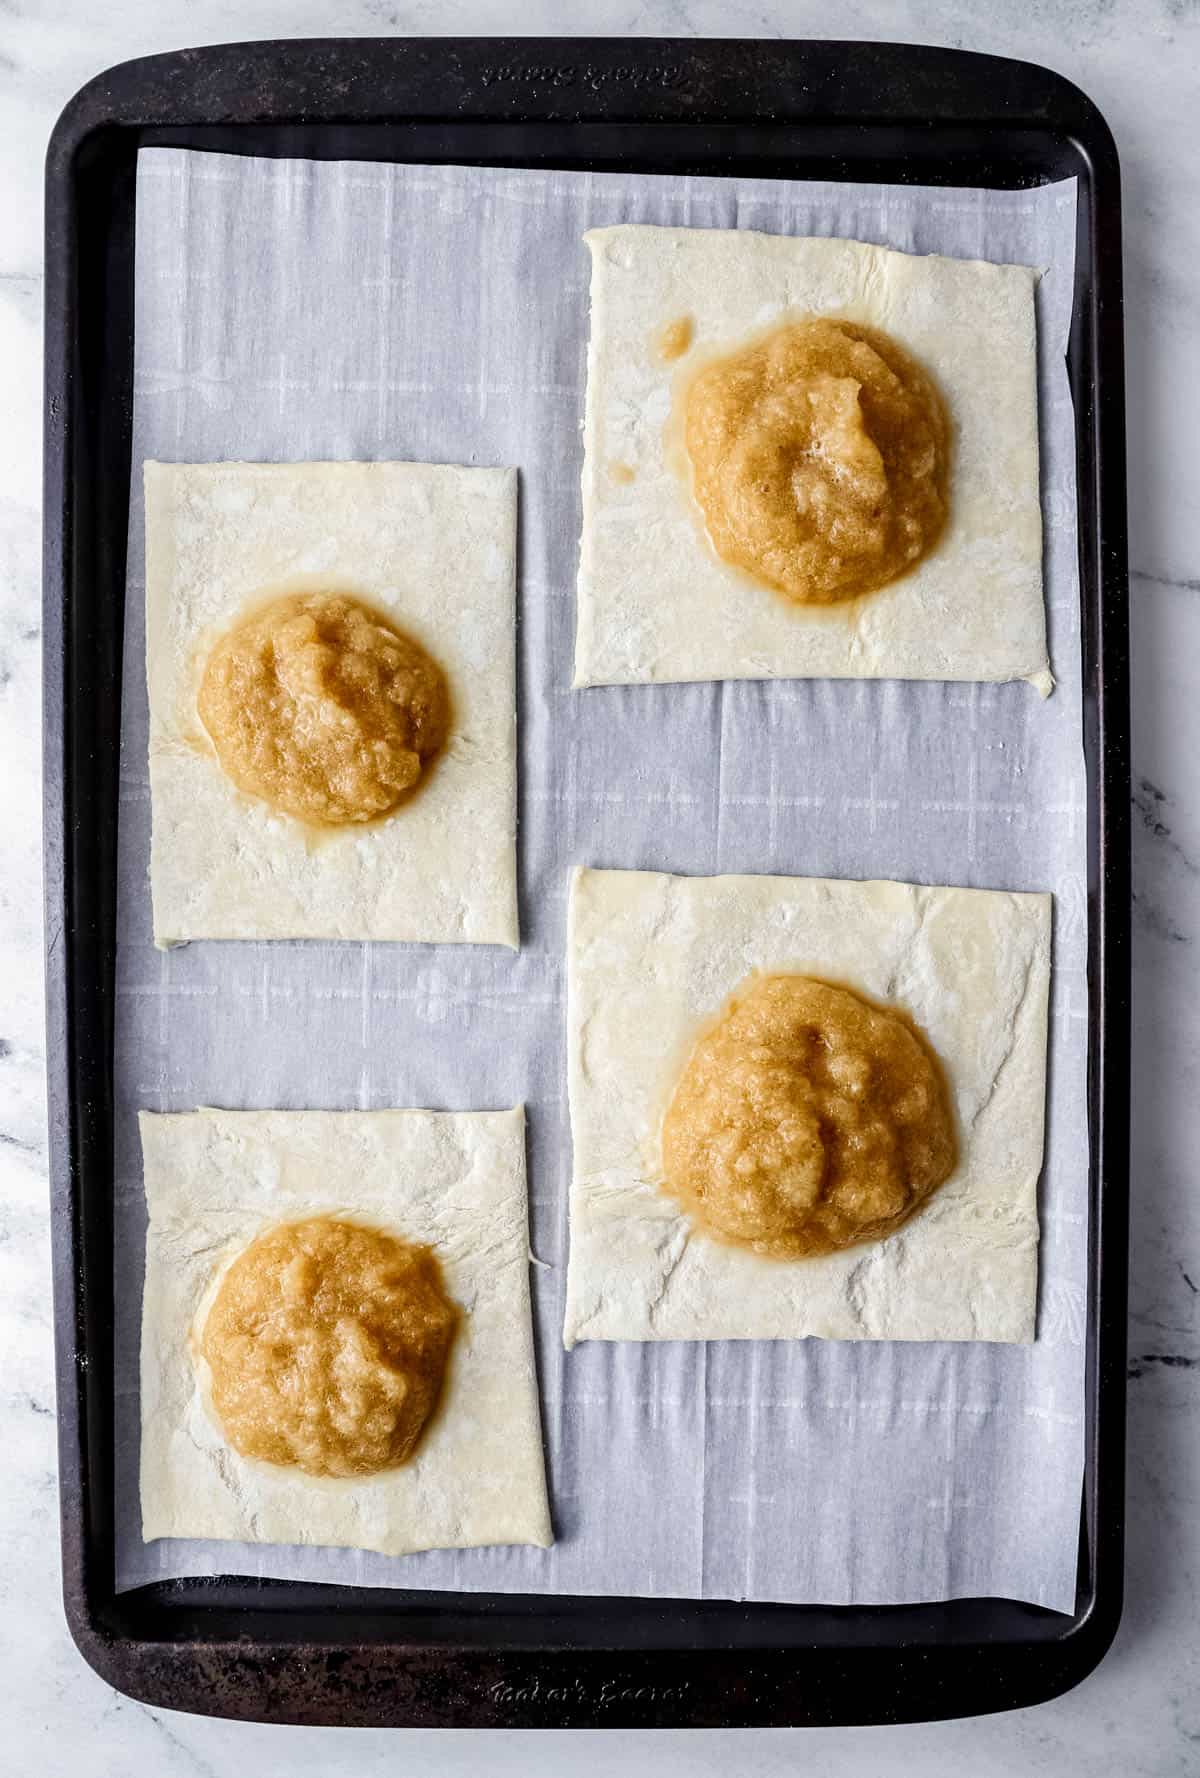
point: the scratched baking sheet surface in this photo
(291, 310)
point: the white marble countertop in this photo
(1139, 1715)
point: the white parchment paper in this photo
(293, 310)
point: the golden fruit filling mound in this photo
(323, 708)
(819, 459)
(327, 1345)
(807, 1119)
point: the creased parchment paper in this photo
(292, 310)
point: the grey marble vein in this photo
(1182, 582)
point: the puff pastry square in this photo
(650, 957)
(453, 1180)
(435, 548)
(655, 603)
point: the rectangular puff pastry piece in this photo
(452, 1180)
(651, 957)
(432, 547)
(656, 603)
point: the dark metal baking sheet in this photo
(282, 1651)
